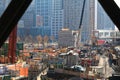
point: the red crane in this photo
(12, 45)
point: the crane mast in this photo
(81, 19)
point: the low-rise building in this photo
(66, 38)
(70, 58)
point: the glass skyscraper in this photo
(27, 22)
(72, 15)
(56, 17)
(103, 20)
(72, 11)
(43, 16)
(28, 18)
(94, 17)
(49, 16)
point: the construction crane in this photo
(12, 45)
(8, 22)
(79, 31)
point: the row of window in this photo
(109, 34)
(58, 25)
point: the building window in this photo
(112, 34)
(106, 33)
(118, 34)
(100, 34)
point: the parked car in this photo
(3, 70)
(78, 68)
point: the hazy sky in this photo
(118, 2)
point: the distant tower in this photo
(103, 20)
(57, 17)
(49, 16)
(72, 11)
(43, 16)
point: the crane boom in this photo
(81, 19)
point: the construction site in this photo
(44, 58)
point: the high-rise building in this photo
(29, 16)
(27, 22)
(72, 11)
(94, 17)
(72, 15)
(56, 17)
(103, 20)
(49, 16)
(43, 16)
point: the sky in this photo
(118, 2)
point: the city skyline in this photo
(49, 16)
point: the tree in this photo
(52, 38)
(28, 39)
(18, 39)
(46, 38)
(39, 39)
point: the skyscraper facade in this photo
(43, 16)
(103, 20)
(56, 17)
(72, 11)
(94, 17)
(28, 19)
(49, 16)
(72, 15)
(27, 22)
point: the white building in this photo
(108, 35)
(71, 58)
